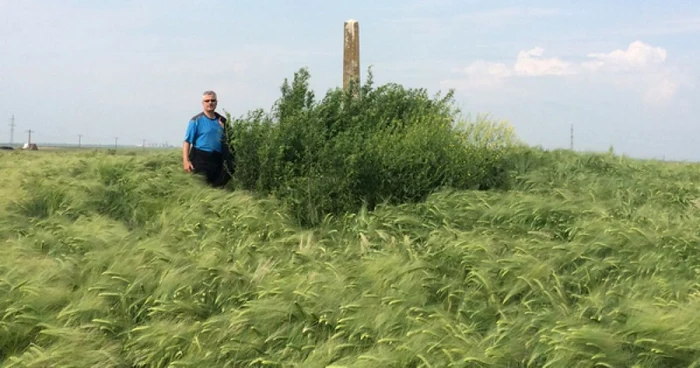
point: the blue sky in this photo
(625, 73)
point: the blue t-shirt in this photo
(204, 133)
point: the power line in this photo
(12, 129)
(572, 137)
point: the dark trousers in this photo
(207, 164)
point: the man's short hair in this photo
(209, 93)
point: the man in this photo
(206, 150)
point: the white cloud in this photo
(641, 68)
(638, 56)
(531, 64)
(528, 64)
(662, 92)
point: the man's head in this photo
(209, 101)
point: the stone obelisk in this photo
(351, 53)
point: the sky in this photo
(624, 73)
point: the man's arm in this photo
(186, 164)
(187, 146)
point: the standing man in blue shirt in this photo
(206, 150)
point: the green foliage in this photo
(363, 147)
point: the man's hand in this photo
(187, 165)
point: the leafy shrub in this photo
(364, 146)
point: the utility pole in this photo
(572, 137)
(12, 129)
(80, 139)
(29, 139)
(144, 145)
(115, 142)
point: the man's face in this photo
(209, 103)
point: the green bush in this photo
(363, 147)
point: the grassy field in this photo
(590, 260)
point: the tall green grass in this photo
(589, 260)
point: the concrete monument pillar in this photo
(351, 53)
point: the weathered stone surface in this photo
(351, 53)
